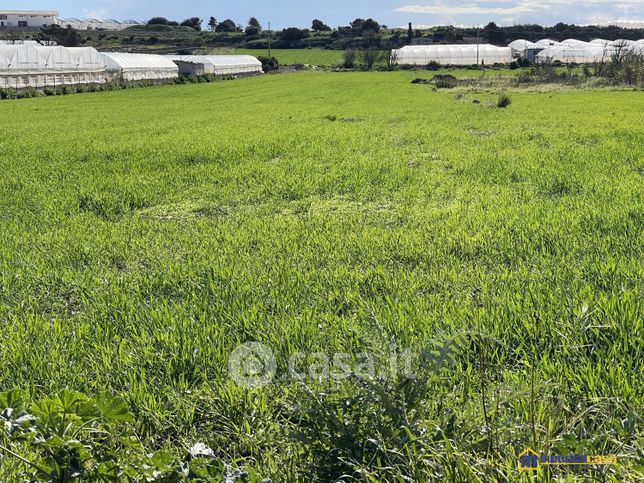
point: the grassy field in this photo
(146, 234)
(293, 56)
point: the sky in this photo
(393, 13)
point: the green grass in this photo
(321, 57)
(146, 233)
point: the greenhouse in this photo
(526, 49)
(217, 64)
(521, 44)
(139, 67)
(57, 58)
(589, 53)
(572, 55)
(547, 42)
(20, 66)
(24, 66)
(466, 54)
(88, 58)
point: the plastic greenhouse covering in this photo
(36, 66)
(88, 58)
(572, 55)
(521, 45)
(218, 64)
(466, 54)
(573, 51)
(137, 67)
(57, 58)
(588, 52)
(23, 66)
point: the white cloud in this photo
(518, 7)
(470, 10)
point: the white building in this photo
(26, 18)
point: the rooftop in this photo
(40, 13)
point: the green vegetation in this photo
(161, 35)
(146, 233)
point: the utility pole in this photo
(269, 40)
(477, 47)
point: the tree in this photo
(67, 37)
(212, 23)
(320, 26)
(293, 34)
(192, 22)
(359, 26)
(158, 21)
(561, 27)
(371, 50)
(370, 25)
(370, 55)
(494, 34)
(227, 25)
(253, 28)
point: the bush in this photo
(504, 101)
(444, 81)
(158, 21)
(514, 65)
(269, 65)
(349, 60)
(71, 436)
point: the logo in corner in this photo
(528, 461)
(252, 365)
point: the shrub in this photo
(444, 81)
(269, 65)
(349, 59)
(71, 436)
(504, 101)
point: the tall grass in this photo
(147, 233)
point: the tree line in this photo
(360, 33)
(253, 27)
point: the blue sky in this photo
(394, 13)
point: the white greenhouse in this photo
(88, 58)
(23, 66)
(139, 67)
(217, 64)
(522, 44)
(466, 54)
(57, 58)
(571, 55)
(588, 53)
(20, 66)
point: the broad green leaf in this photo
(114, 409)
